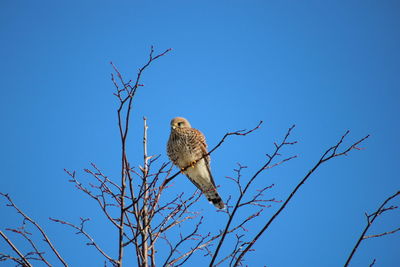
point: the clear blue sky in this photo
(326, 66)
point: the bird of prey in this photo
(187, 149)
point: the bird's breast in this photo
(183, 148)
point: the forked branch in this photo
(27, 218)
(80, 230)
(243, 191)
(370, 220)
(23, 259)
(329, 154)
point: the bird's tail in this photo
(214, 198)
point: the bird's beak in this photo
(173, 127)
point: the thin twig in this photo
(369, 223)
(237, 206)
(15, 249)
(123, 125)
(26, 217)
(82, 231)
(25, 234)
(382, 234)
(372, 263)
(325, 157)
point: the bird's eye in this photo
(179, 124)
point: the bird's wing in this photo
(203, 146)
(200, 173)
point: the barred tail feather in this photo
(214, 198)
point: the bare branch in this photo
(235, 250)
(370, 220)
(81, 230)
(182, 240)
(98, 199)
(15, 249)
(382, 234)
(21, 231)
(325, 157)
(126, 96)
(249, 183)
(144, 211)
(372, 263)
(26, 217)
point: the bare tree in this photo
(144, 219)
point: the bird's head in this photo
(179, 122)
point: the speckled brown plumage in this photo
(186, 147)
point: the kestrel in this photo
(186, 148)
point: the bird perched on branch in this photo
(187, 149)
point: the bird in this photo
(187, 149)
